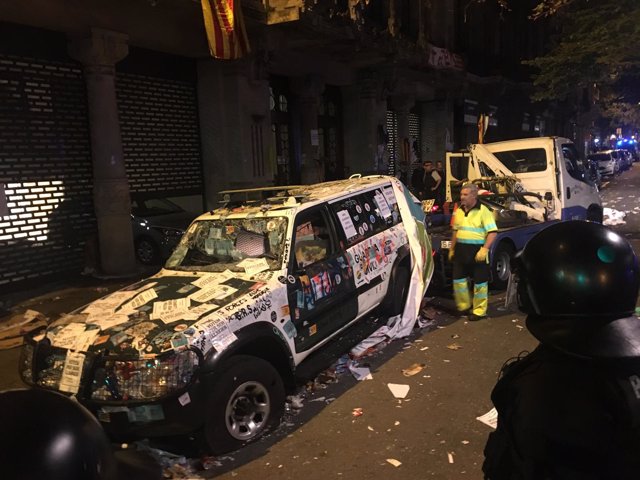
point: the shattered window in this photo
(238, 244)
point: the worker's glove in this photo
(451, 254)
(481, 256)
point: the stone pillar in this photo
(98, 52)
(309, 90)
(402, 104)
(233, 106)
(365, 125)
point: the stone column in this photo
(364, 120)
(309, 90)
(98, 52)
(402, 104)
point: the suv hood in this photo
(158, 314)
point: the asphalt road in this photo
(433, 432)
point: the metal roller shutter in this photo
(160, 139)
(45, 170)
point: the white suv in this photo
(253, 288)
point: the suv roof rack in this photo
(275, 194)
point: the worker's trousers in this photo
(465, 267)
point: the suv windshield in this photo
(239, 244)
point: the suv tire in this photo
(245, 401)
(397, 291)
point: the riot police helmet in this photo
(578, 282)
(48, 435)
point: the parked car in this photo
(158, 224)
(629, 157)
(213, 340)
(608, 164)
(623, 159)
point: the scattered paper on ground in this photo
(450, 457)
(490, 418)
(12, 331)
(613, 217)
(413, 369)
(394, 462)
(398, 390)
(454, 346)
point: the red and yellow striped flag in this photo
(226, 33)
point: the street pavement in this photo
(432, 432)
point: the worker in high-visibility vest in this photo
(474, 230)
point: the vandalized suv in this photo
(213, 340)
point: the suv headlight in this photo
(143, 379)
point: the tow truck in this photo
(527, 183)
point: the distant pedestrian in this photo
(474, 230)
(424, 182)
(571, 408)
(441, 187)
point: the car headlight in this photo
(143, 379)
(25, 364)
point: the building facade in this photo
(103, 100)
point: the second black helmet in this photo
(578, 268)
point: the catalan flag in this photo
(226, 32)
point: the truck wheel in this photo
(501, 266)
(243, 402)
(397, 292)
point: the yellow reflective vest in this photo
(473, 226)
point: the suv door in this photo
(320, 285)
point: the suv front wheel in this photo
(244, 401)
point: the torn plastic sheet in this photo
(421, 259)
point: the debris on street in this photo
(413, 369)
(613, 217)
(398, 390)
(360, 373)
(357, 412)
(173, 466)
(13, 330)
(295, 401)
(394, 462)
(450, 456)
(490, 418)
(454, 346)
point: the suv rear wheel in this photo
(397, 291)
(243, 402)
